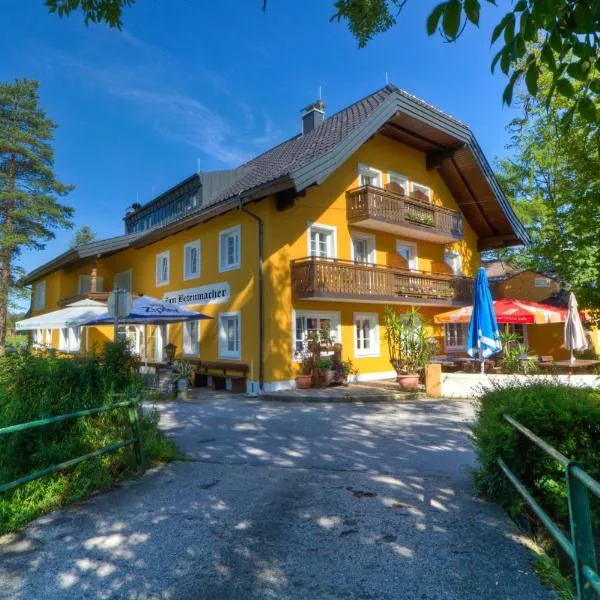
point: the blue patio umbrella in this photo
(484, 338)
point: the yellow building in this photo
(388, 201)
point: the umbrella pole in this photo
(572, 357)
(146, 346)
(481, 357)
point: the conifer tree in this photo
(29, 190)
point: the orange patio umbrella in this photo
(519, 312)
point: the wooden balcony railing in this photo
(376, 204)
(345, 280)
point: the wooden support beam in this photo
(434, 159)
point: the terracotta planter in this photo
(303, 382)
(408, 382)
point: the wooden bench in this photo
(222, 375)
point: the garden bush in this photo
(567, 418)
(34, 386)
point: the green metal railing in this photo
(133, 413)
(580, 548)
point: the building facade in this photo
(388, 201)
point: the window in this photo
(453, 260)
(307, 322)
(191, 341)
(366, 334)
(229, 335)
(162, 268)
(69, 339)
(363, 248)
(541, 282)
(398, 181)
(455, 336)
(520, 331)
(422, 192)
(322, 241)
(229, 249)
(84, 285)
(369, 176)
(134, 334)
(408, 251)
(40, 295)
(191, 260)
(122, 281)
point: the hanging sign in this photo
(216, 293)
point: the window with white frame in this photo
(363, 248)
(399, 180)
(122, 281)
(310, 322)
(408, 251)
(39, 294)
(229, 249)
(191, 260)
(369, 176)
(455, 337)
(162, 268)
(322, 241)
(421, 191)
(454, 260)
(84, 285)
(541, 282)
(69, 339)
(191, 339)
(366, 334)
(229, 335)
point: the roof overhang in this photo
(450, 147)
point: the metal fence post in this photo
(134, 420)
(582, 534)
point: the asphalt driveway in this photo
(286, 501)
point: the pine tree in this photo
(84, 235)
(29, 190)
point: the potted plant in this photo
(408, 345)
(324, 367)
(343, 370)
(182, 374)
(304, 379)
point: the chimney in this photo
(314, 115)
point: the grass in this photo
(548, 570)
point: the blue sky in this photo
(190, 83)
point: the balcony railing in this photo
(328, 279)
(377, 208)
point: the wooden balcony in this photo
(346, 281)
(386, 210)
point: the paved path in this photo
(293, 501)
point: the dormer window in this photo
(369, 176)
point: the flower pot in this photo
(408, 382)
(303, 382)
(327, 377)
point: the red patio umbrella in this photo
(520, 312)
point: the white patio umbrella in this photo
(575, 338)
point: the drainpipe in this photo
(259, 222)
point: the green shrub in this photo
(39, 386)
(567, 418)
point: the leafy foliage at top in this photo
(551, 179)
(94, 11)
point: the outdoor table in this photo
(577, 365)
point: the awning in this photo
(73, 315)
(509, 311)
(146, 310)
